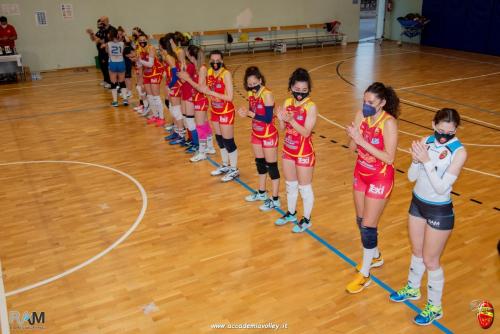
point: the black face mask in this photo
(215, 65)
(254, 89)
(443, 138)
(300, 96)
(143, 44)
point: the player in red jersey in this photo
(297, 117)
(220, 91)
(374, 134)
(264, 136)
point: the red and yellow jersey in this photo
(297, 145)
(366, 163)
(157, 68)
(215, 82)
(256, 104)
(198, 96)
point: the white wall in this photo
(64, 44)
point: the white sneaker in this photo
(102, 83)
(270, 204)
(198, 157)
(107, 85)
(139, 108)
(210, 150)
(220, 170)
(230, 175)
(256, 196)
(129, 94)
(169, 127)
(144, 112)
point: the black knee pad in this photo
(369, 237)
(261, 165)
(167, 103)
(116, 85)
(230, 145)
(123, 85)
(272, 168)
(220, 141)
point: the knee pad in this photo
(176, 113)
(202, 134)
(230, 145)
(220, 141)
(122, 84)
(116, 86)
(208, 129)
(292, 187)
(190, 123)
(369, 236)
(261, 165)
(167, 103)
(272, 168)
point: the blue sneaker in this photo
(177, 141)
(302, 225)
(114, 104)
(125, 102)
(428, 315)
(288, 217)
(171, 136)
(191, 149)
(404, 294)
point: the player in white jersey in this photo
(437, 162)
(115, 49)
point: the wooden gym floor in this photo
(199, 252)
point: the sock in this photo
(367, 261)
(435, 286)
(233, 159)
(225, 157)
(210, 142)
(262, 191)
(292, 193)
(151, 104)
(114, 93)
(159, 107)
(124, 92)
(416, 271)
(275, 198)
(377, 253)
(307, 195)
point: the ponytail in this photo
(388, 94)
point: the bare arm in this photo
(306, 130)
(229, 89)
(358, 118)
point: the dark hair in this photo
(112, 33)
(447, 115)
(3, 19)
(179, 38)
(301, 75)
(165, 44)
(388, 94)
(197, 53)
(253, 71)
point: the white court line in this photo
(4, 319)
(448, 81)
(104, 252)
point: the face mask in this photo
(443, 138)
(254, 89)
(143, 44)
(300, 96)
(368, 110)
(215, 65)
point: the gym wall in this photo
(64, 43)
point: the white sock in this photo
(203, 146)
(124, 93)
(139, 90)
(435, 286)
(233, 159)
(292, 192)
(114, 93)
(225, 157)
(377, 253)
(152, 105)
(416, 271)
(159, 107)
(367, 261)
(307, 195)
(210, 142)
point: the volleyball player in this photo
(297, 117)
(374, 134)
(436, 164)
(220, 91)
(264, 137)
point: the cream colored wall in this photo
(401, 8)
(64, 44)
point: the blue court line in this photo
(344, 257)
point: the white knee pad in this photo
(292, 187)
(190, 124)
(306, 192)
(176, 112)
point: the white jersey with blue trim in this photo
(115, 50)
(441, 156)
